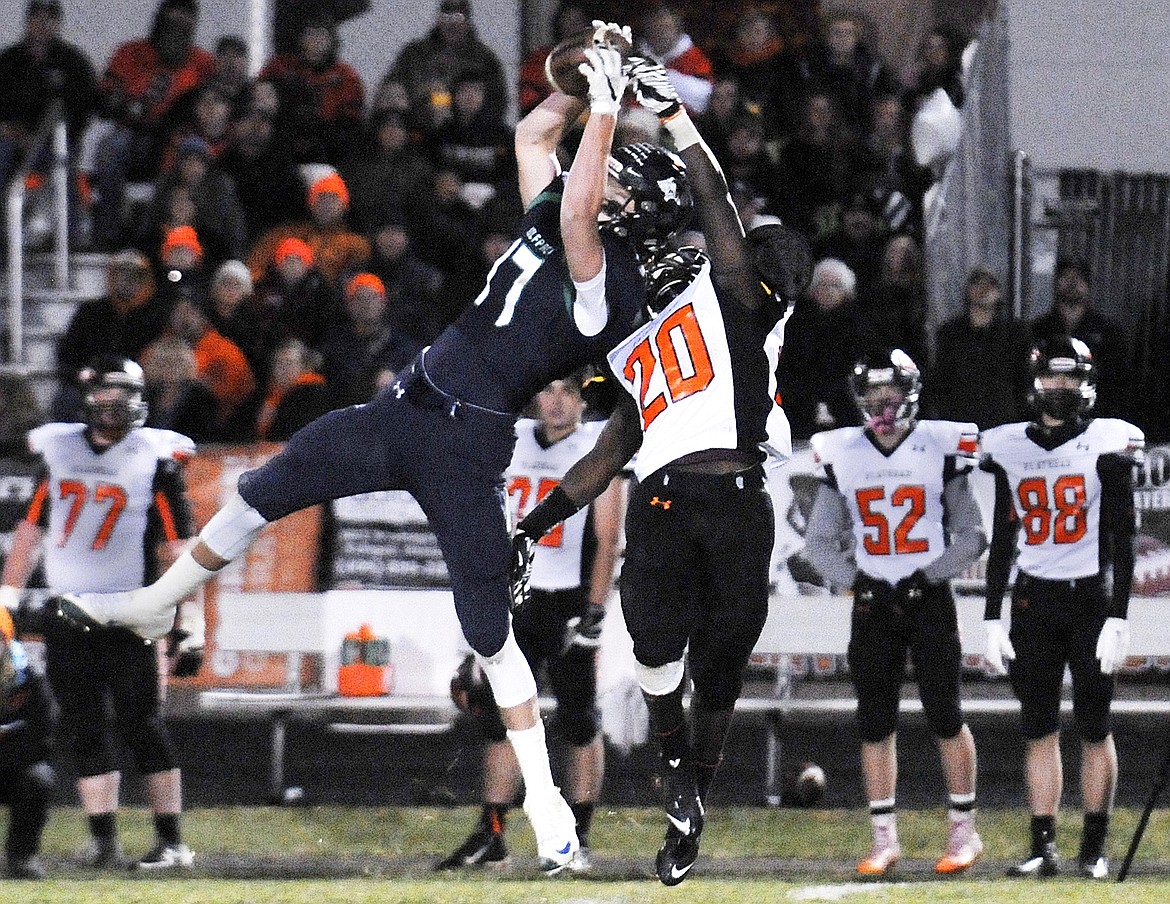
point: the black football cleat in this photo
(684, 815)
(1044, 864)
(483, 847)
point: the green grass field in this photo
(332, 854)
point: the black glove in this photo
(871, 592)
(520, 571)
(911, 590)
(583, 632)
(186, 659)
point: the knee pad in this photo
(659, 680)
(577, 724)
(509, 674)
(232, 529)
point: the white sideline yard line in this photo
(840, 891)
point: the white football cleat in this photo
(555, 828)
(86, 611)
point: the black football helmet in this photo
(669, 272)
(660, 196)
(783, 259)
(896, 369)
(116, 416)
(1063, 355)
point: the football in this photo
(560, 67)
(804, 785)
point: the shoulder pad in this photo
(39, 438)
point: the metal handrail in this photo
(51, 128)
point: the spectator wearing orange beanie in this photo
(336, 249)
(295, 298)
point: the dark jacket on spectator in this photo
(323, 106)
(980, 375)
(352, 362)
(27, 85)
(308, 310)
(98, 327)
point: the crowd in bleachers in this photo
(307, 233)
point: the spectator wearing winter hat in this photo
(336, 250)
(412, 285)
(323, 97)
(361, 353)
(860, 237)
(142, 82)
(195, 192)
(295, 298)
(233, 310)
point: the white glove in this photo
(999, 646)
(652, 87)
(623, 30)
(607, 82)
(1113, 644)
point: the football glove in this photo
(871, 591)
(520, 571)
(583, 632)
(185, 652)
(999, 645)
(607, 81)
(623, 30)
(652, 87)
(1113, 644)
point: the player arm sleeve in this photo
(828, 538)
(732, 269)
(1118, 526)
(590, 310)
(1003, 543)
(964, 524)
(170, 503)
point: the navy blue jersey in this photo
(520, 335)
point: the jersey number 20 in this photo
(678, 346)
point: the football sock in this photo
(166, 826)
(532, 754)
(495, 817)
(1043, 831)
(962, 807)
(583, 812)
(1093, 836)
(882, 815)
(176, 583)
(669, 723)
(103, 826)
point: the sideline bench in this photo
(425, 650)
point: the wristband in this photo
(555, 508)
(681, 129)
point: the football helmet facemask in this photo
(660, 202)
(1068, 356)
(668, 274)
(119, 413)
(886, 412)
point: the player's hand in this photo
(1113, 644)
(583, 632)
(623, 30)
(607, 81)
(652, 87)
(185, 653)
(911, 590)
(999, 646)
(520, 570)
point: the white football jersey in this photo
(99, 504)
(895, 499)
(1057, 494)
(678, 369)
(533, 474)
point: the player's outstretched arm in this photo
(731, 262)
(537, 137)
(585, 186)
(828, 541)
